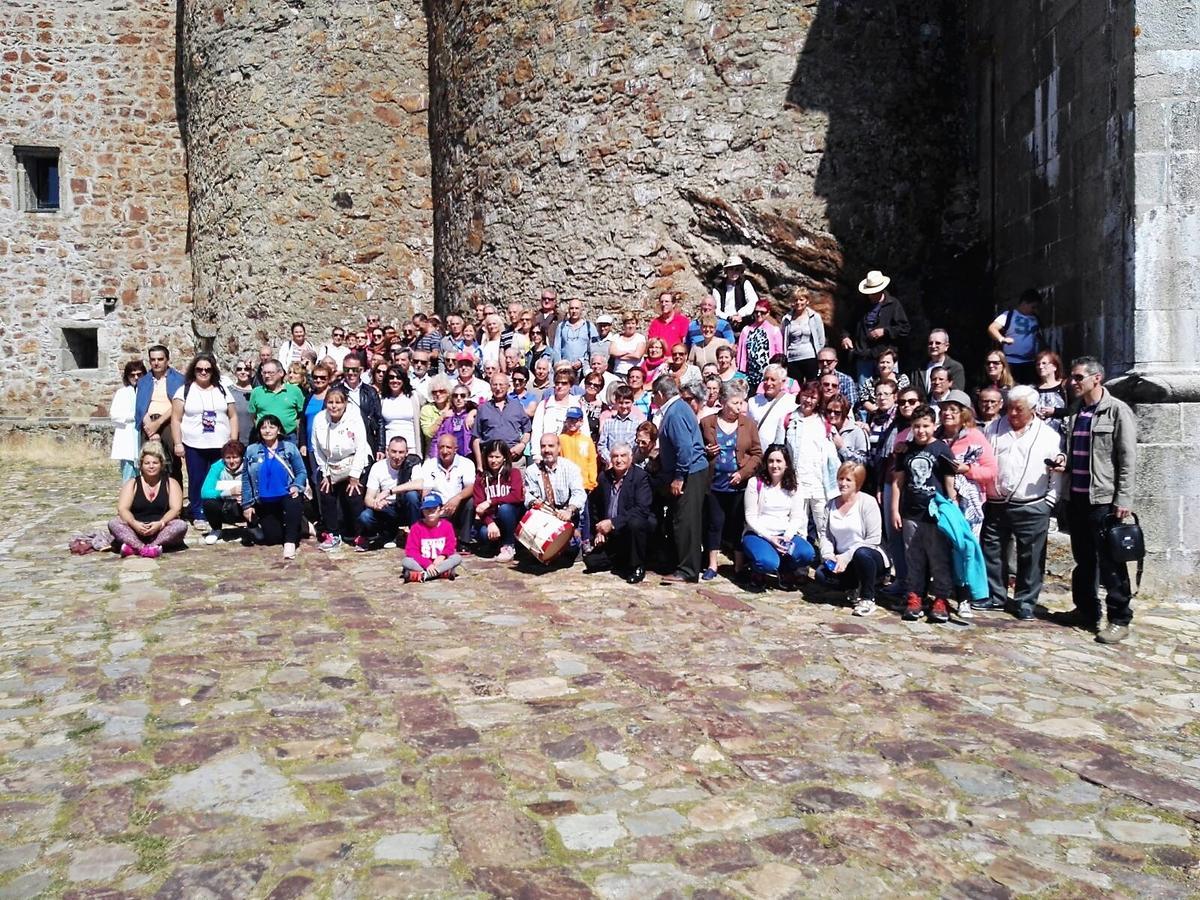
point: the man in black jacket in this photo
(883, 324)
(364, 398)
(622, 507)
(938, 356)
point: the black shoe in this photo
(1077, 618)
(637, 576)
(987, 604)
(1025, 613)
(677, 578)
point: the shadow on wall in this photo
(897, 169)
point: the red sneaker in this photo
(414, 577)
(940, 611)
(914, 606)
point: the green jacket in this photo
(1114, 451)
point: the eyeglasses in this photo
(420, 362)
(909, 402)
(1079, 379)
(458, 396)
(561, 382)
(203, 370)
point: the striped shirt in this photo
(616, 430)
(1081, 451)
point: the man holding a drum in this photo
(553, 487)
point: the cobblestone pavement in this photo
(220, 724)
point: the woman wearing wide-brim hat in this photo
(883, 324)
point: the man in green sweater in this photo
(279, 398)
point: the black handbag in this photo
(1125, 542)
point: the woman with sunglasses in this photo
(848, 439)
(655, 360)
(758, 342)
(379, 372)
(456, 420)
(894, 443)
(203, 418)
(243, 384)
(551, 413)
(400, 408)
(539, 348)
(122, 413)
(996, 373)
(593, 403)
(1052, 389)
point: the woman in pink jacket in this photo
(758, 342)
(972, 452)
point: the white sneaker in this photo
(507, 552)
(213, 536)
(289, 551)
(390, 545)
(864, 607)
(965, 611)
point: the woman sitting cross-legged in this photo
(340, 454)
(499, 499)
(272, 480)
(776, 521)
(221, 494)
(148, 508)
(852, 542)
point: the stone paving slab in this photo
(220, 723)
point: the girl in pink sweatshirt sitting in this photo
(430, 550)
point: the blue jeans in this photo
(198, 461)
(766, 560)
(404, 510)
(864, 371)
(507, 517)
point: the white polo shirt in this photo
(447, 482)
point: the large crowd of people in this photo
(545, 437)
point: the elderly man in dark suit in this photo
(622, 507)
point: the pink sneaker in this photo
(126, 550)
(507, 552)
(152, 551)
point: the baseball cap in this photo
(604, 319)
(431, 501)
(465, 357)
(574, 413)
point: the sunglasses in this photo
(518, 379)
(320, 378)
(909, 402)
(351, 369)
(595, 384)
(241, 368)
(203, 370)
(1079, 379)
(395, 378)
(459, 396)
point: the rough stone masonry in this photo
(342, 156)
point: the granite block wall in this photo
(308, 166)
(96, 80)
(615, 148)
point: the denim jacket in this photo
(256, 454)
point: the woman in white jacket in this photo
(341, 453)
(806, 435)
(775, 540)
(121, 413)
(852, 541)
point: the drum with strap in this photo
(544, 534)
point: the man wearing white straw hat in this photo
(884, 324)
(734, 293)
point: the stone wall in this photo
(616, 148)
(1054, 99)
(96, 79)
(309, 164)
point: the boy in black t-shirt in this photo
(926, 468)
